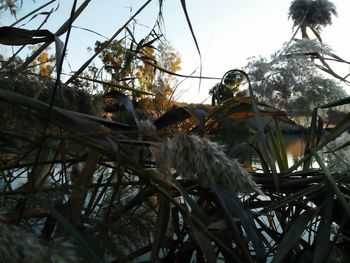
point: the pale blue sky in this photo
(228, 32)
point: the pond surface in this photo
(295, 147)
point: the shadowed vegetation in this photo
(112, 169)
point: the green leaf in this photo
(278, 147)
(263, 158)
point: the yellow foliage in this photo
(43, 64)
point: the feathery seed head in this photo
(194, 157)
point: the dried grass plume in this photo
(19, 246)
(194, 157)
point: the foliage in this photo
(142, 67)
(313, 14)
(138, 190)
(227, 88)
(43, 64)
(127, 184)
(291, 81)
(10, 5)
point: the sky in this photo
(228, 33)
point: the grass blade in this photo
(17, 36)
(336, 103)
(163, 216)
(183, 3)
(197, 211)
(59, 32)
(293, 235)
(179, 114)
(111, 84)
(203, 242)
(87, 63)
(323, 244)
(282, 146)
(336, 131)
(85, 247)
(332, 183)
(126, 102)
(235, 206)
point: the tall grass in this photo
(143, 190)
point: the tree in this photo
(168, 59)
(291, 81)
(143, 67)
(44, 63)
(313, 14)
(227, 88)
(115, 60)
(10, 5)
